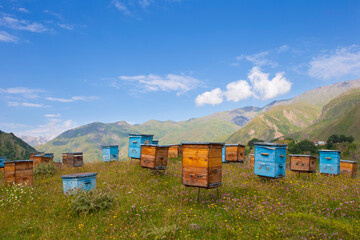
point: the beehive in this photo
(78, 181)
(135, 142)
(348, 168)
(41, 157)
(73, 159)
(2, 161)
(234, 153)
(19, 172)
(174, 151)
(155, 142)
(270, 159)
(223, 155)
(202, 164)
(302, 163)
(154, 156)
(252, 160)
(110, 153)
(329, 161)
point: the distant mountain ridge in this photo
(34, 141)
(13, 148)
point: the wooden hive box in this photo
(252, 160)
(73, 159)
(234, 153)
(302, 163)
(270, 159)
(202, 164)
(2, 161)
(174, 151)
(19, 172)
(135, 142)
(154, 156)
(110, 153)
(348, 168)
(78, 181)
(42, 158)
(329, 161)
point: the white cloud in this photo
(66, 26)
(23, 10)
(50, 115)
(13, 104)
(7, 37)
(258, 59)
(72, 99)
(19, 24)
(264, 88)
(171, 82)
(121, 7)
(58, 15)
(239, 90)
(20, 90)
(212, 97)
(341, 62)
(12, 125)
(35, 105)
(144, 3)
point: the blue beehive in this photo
(2, 161)
(155, 142)
(78, 181)
(223, 155)
(110, 153)
(270, 159)
(329, 161)
(135, 142)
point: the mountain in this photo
(339, 116)
(34, 141)
(13, 148)
(90, 137)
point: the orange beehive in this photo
(19, 172)
(252, 160)
(348, 168)
(73, 159)
(154, 156)
(174, 151)
(202, 164)
(302, 163)
(234, 153)
(41, 157)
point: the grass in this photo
(149, 205)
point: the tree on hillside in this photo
(252, 141)
(304, 146)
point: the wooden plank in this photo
(195, 176)
(23, 166)
(9, 169)
(24, 177)
(215, 175)
(348, 169)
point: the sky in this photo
(64, 64)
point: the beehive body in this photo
(19, 172)
(174, 151)
(329, 161)
(234, 153)
(202, 164)
(252, 160)
(110, 153)
(348, 168)
(302, 163)
(135, 142)
(154, 157)
(41, 158)
(270, 159)
(73, 159)
(2, 161)
(78, 181)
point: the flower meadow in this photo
(150, 205)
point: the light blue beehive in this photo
(329, 161)
(135, 142)
(155, 142)
(223, 155)
(110, 153)
(270, 159)
(78, 181)
(2, 161)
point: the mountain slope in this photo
(14, 148)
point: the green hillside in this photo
(340, 116)
(14, 148)
(277, 121)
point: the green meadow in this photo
(151, 205)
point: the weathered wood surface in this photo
(19, 172)
(348, 168)
(302, 163)
(234, 153)
(154, 157)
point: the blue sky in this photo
(67, 63)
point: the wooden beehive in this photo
(302, 163)
(252, 160)
(174, 151)
(19, 172)
(348, 168)
(234, 153)
(202, 164)
(135, 142)
(154, 156)
(41, 158)
(73, 159)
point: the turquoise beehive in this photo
(223, 155)
(329, 161)
(270, 159)
(78, 181)
(155, 142)
(110, 153)
(2, 161)
(135, 142)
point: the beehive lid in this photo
(73, 153)
(300, 155)
(348, 161)
(270, 144)
(163, 145)
(202, 143)
(27, 160)
(142, 135)
(48, 154)
(79, 175)
(174, 145)
(108, 146)
(234, 145)
(326, 150)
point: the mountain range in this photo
(14, 148)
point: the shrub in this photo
(44, 169)
(91, 201)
